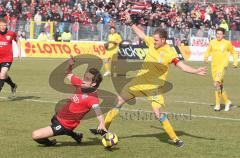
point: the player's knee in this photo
(217, 85)
(3, 73)
(3, 76)
(36, 135)
(157, 115)
(120, 101)
(217, 88)
(157, 112)
(118, 107)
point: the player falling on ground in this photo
(68, 117)
(158, 59)
(6, 55)
(220, 49)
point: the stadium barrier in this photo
(89, 39)
(45, 49)
(99, 32)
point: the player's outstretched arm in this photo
(186, 68)
(100, 117)
(135, 28)
(68, 71)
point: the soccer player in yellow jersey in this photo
(158, 59)
(114, 39)
(220, 50)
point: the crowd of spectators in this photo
(86, 12)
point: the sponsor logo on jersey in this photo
(222, 47)
(3, 44)
(161, 56)
(8, 37)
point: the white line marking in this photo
(192, 102)
(215, 117)
(31, 100)
(139, 110)
(27, 92)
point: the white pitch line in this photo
(138, 98)
(215, 117)
(139, 110)
(31, 100)
(26, 92)
(192, 102)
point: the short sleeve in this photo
(172, 56)
(175, 61)
(93, 101)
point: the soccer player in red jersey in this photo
(68, 117)
(6, 54)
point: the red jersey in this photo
(6, 51)
(77, 106)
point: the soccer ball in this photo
(109, 140)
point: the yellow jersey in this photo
(112, 47)
(114, 38)
(220, 52)
(156, 63)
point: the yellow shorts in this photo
(152, 92)
(111, 53)
(218, 74)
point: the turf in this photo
(213, 135)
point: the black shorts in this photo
(5, 64)
(58, 128)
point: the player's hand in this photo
(97, 132)
(71, 60)
(206, 61)
(102, 129)
(201, 71)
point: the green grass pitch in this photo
(207, 134)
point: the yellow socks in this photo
(110, 116)
(106, 67)
(225, 98)
(167, 127)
